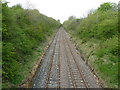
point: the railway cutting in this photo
(63, 67)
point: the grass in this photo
(104, 65)
(26, 68)
(0, 65)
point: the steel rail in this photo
(70, 70)
(85, 82)
(48, 78)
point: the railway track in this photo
(77, 77)
(62, 67)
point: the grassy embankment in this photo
(25, 33)
(96, 36)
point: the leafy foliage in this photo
(107, 6)
(23, 30)
(102, 27)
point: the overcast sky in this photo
(62, 9)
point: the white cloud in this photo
(62, 9)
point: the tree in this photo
(107, 6)
(23, 30)
(71, 18)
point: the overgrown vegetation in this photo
(23, 30)
(97, 38)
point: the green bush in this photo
(10, 65)
(23, 30)
(101, 26)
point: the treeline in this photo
(99, 32)
(23, 30)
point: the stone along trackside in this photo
(62, 67)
